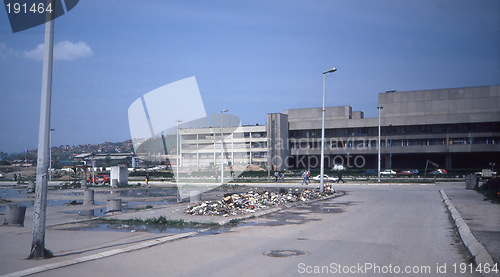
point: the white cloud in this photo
(63, 51)
(35, 54)
(5, 51)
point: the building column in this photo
(448, 162)
(386, 161)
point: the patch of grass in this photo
(144, 208)
(4, 201)
(161, 220)
(238, 220)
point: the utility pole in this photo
(40, 205)
(378, 164)
(222, 148)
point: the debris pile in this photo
(241, 203)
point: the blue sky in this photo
(251, 57)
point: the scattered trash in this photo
(242, 203)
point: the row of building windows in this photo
(228, 145)
(239, 155)
(216, 135)
(399, 142)
(386, 130)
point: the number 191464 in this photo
(28, 8)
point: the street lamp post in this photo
(40, 204)
(177, 156)
(93, 168)
(222, 148)
(390, 146)
(379, 108)
(50, 154)
(322, 167)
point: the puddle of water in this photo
(31, 203)
(91, 213)
(15, 193)
(75, 193)
(132, 204)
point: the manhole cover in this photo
(284, 253)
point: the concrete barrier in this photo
(114, 183)
(120, 173)
(114, 205)
(88, 197)
(471, 181)
(31, 186)
(83, 184)
(14, 215)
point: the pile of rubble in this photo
(241, 203)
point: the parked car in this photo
(326, 178)
(370, 172)
(100, 179)
(414, 171)
(388, 172)
(405, 172)
(338, 167)
(439, 172)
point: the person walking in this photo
(340, 177)
(276, 174)
(304, 176)
(283, 176)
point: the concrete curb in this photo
(476, 249)
(101, 255)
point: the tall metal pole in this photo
(93, 168)
(40, 205)
(50, 154)
(268, 159)
(178, 150)
(222, 148)
(322, 162)
(390, 147)
(379, 108)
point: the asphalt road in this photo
(371, 231)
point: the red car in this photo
(405, 172)
(100, 179)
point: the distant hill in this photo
(67, 152)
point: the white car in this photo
(326, 178)
(338, 167)
(388, 172)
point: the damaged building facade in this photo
(455, 128)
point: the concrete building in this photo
(242, 146)
(455, 128)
